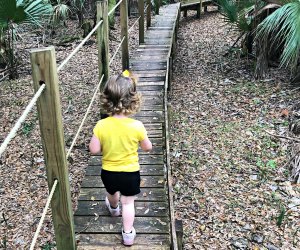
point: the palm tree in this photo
(12, 13)
(283, 28)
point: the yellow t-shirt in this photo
(119, 138)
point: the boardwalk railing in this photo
(47, 98)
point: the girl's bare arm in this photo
(146, 145)
(95, 145)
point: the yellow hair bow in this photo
(126, 73)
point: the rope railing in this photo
(117, 50)
(85, 116)
(22, 118)
(43, 215)
(114, 8)
(132, 26)
(79, 46)
(146, 8)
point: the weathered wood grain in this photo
(113, 242)
(142, 208)
(147, 194)
(44, 70)
(149, 225)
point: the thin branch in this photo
(283, 137)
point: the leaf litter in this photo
(224, 190)
(230, 188)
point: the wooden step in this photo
(146, 209)
(147, 194)
(148, 225)
(113, 242)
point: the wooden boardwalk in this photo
(154, 223)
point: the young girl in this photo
(118, 138)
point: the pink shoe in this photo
(113, 211)
(128, 238)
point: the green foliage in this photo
(61, 12)
(12, 13)
(236, 13)
(281, 216)
(265, 167)
(283, 26)
(48, 246)
(23, 11)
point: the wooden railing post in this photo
(124, 33)
(149, 13)
(141, 22)
(102, 40)
(44, 70)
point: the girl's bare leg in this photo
(113, 199)
(128, 212)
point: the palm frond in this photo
(229, 10)
(237, 13)
(61, 12)
(283, 26)
(23, 11)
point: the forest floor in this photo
(231, 180)
(230, 186)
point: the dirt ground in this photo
(230, 187)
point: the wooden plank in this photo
(142, 208)
(140, 58)
(160, 28)
(151, 73)
(161, 41)
(151, 61)
(150, 113)
(153, 126)
(154, 84)
(149, 119)
(147, 86)
(148, 52)
(151, 107)
(113, 242)
(162, 46)
(149, 66)
(151, 225)
(151, 93)
(152, 100)
(147, 194)
(145, 170)
(146, 181)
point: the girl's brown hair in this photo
(119, 95)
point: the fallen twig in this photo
(283, 137)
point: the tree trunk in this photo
(262, 58)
